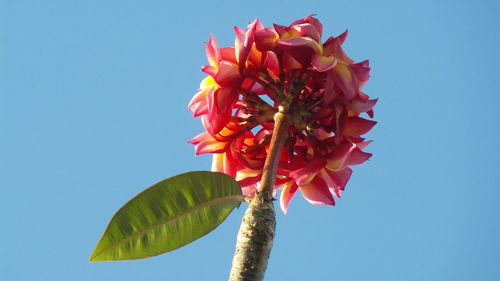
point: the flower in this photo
(318, 85)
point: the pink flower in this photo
(317, 83)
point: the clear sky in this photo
(93, 109)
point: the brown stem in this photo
(280, 134)
(255, 238)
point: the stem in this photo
(256, 234)
(280, 134)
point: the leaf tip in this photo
(92, 258)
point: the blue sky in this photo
(93, 98)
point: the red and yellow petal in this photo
(317, 192)
(356, 126)
(301, 48)
(287, 193)
(322, 63)
(306, 174)
(265, 39)
(345, 79)
(212, 51)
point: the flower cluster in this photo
(317, 85)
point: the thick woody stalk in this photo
(256, 234)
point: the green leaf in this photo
(168, 215)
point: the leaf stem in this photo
(256, 234)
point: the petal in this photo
(249, 191)
(238, 44)
(308, 30)
(271, 63)
(206, 124)
(228, 54)
(317, 193)
(370, 113)
(247, 173)
(322, 63)
(357, 157)
(290, 33)
(199, 138)
(219, 121)
(341, 38)
(340, 119)
(244, 43)
(323, 112)
(330, 94)
(258, 25)
(231, 130)
(345, 79)
(362, 71)
(337, 159)
(290, 63)
(362, 145)
(356, 126)
(211, 146)
(212, 51)
(247, 177)
(321, 134)
(224, 99)
(239, 30)
(250, 162)
(311, 20)
(341, 177)
(280, 29)
(210, 70)
(227, 74)
(254, 59)
(359, 106)
(332, 185)
(198, 104)
(218, 163)
(265, 39)
(304, 175)
(205, 143)
(230, 165)
(261, 135)
(333, 47)
(287, 193)
(301, 48)
(214, 123)
(222, 162)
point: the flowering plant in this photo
(281, 109)
(313, 82)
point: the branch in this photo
(256, 234)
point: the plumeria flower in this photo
(318, 86)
